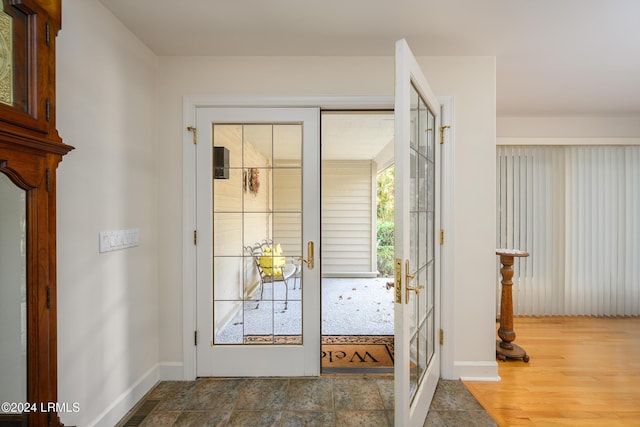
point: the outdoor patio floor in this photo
(350, 306)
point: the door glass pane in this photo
(257, 235)
(413, 304)
(413, 363)
(414, 241)
(227, 193)
(227, 234)
(422, 239)
(287, 231)
(424, 341)
(423, 296)
(256, 189)
(227, 321)
(230, 137)
(287, 145)
(227, 270)
(13, 292)
(425, 126)
(414, 132)
(414, 180)
(257, 142)
(287, 189)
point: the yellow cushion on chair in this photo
(271, 262)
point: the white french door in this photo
(258, 198)
(417, 254)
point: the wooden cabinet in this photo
(30, 151)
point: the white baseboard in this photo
(129, 398)
(476, 371)
(171, 371)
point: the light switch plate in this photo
(119, 239)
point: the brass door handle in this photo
(310, 259)
(407, 276)
(408, 287)
(411, 288)
(417, 290)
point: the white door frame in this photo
(191, 103)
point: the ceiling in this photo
(553, 57)
(355, 136)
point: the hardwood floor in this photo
(583, 372)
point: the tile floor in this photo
(320, 401)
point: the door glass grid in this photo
(257, 233)
(422, 239)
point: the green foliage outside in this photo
(385, 212)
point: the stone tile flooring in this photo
(319, 401)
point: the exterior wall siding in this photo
(347, 220)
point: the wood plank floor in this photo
(583, 372)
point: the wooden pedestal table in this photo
(506, 349)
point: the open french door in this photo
(258, 198)
(417, 254)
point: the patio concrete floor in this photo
(350, 306)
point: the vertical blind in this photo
(576, 210)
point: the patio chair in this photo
(272, 267)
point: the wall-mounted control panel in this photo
(119, 239)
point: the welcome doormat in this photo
(342, 352)
(349, 351)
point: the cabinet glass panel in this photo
(14, 57)
(13, 293)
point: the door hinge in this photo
(442, 128)
(441, 337)
(48, 297)
(48, 109)
(49, 418)
(48, 179)
(441, 236)
(47, 33)
(195, 133)
(195, 337)
(195, 237)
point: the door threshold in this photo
(357, 371)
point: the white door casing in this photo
(187, 368)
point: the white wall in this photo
(470, 80)
(107, 303)
(120, 313)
